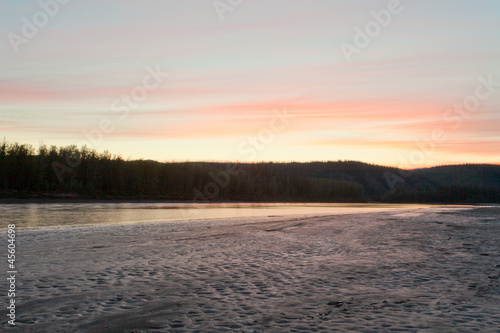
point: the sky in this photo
(401, 83)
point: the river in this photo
(33, 215)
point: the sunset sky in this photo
(423, 90)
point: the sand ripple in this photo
(434, 271)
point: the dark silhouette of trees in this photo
(26, 172)
(453, 194)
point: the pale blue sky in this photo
(227, 76)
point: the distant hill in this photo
(71, 172)
(482, 175)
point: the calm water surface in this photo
(64, 214)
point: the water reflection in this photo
(63, 214)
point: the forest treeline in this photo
(49, 171)
(26, 172)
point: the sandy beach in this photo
(415, 270)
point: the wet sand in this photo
(425, 270)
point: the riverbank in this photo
(433, 269)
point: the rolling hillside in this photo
(83, 173)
